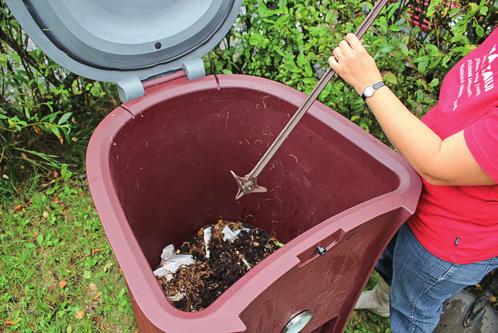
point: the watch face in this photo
(369, 91)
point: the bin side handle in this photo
(320, 248)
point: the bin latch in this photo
(320, 248)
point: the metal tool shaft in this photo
(247, 184)
(329, 74)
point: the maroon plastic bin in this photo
(158, 169)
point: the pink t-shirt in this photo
(459, 224)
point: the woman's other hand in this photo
(354, 65)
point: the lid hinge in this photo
(130, 88)
(194, 68)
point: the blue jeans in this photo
(421, 282)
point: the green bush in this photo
(43, 108)
(46, 112)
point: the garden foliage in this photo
(45, 110)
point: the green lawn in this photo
(58, 271)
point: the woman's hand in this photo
(354, 65)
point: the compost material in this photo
(203, 267)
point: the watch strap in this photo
(378, 85)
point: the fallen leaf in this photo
(53, 174)
(492, 299)
(56, 200)
(97, 297)
(18, 207)
(9, 323)
(79, 315)
(107, 267)
(62, 284)
(35, 234)
(90, 309)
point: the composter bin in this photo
(158, 169)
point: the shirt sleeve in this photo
(482, 139)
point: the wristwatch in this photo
(370, 90)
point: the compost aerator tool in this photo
(248, 183)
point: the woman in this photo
(452, 240)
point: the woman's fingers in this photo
(354, 42)
(345, 48)
(353, 64)
(334, 64)
(337, 54)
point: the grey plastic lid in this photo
(126, 41)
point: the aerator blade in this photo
(247, 185)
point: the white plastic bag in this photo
(171, 262)
(230, 235)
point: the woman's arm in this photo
(440, 162)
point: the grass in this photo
(366, 322)
(59, 274)
(58, 271)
